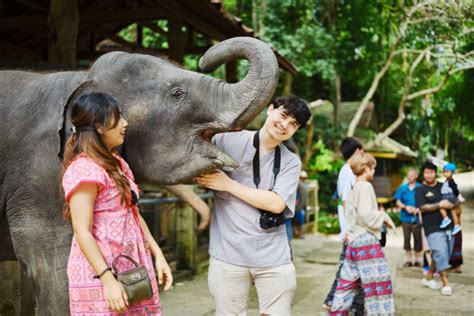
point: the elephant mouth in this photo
(218, 157)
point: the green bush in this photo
(328, 223)
(395, 216)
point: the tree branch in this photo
(373, 87)
(432, 10)
(430, 90)
(466, 67)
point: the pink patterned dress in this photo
(116, 230)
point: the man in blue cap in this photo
(429, 200)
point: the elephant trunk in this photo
(248, 97)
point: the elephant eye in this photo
(177, 92)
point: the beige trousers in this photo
(229, 286)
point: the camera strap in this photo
(256, 162)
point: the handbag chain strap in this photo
(114, 263)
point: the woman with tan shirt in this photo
(364, 261)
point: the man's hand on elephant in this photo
(217, 181)
(446, 204)
(165, 277)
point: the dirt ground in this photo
(316, 259)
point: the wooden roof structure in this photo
(37, 31)
(389, 148)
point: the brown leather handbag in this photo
(136, 281)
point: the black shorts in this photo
(408, 230)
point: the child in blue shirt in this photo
(450, 192)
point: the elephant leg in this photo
(6, 244)
(42, 248)
(187, 194)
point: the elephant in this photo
(172, 114)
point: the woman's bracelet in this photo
(98, 276)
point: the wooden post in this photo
(176, 39)
(139, 42)
(186, 236)
(63, 21)
(231, 72)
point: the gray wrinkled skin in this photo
(170, 113)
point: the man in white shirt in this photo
(243, 248)
(350, 147)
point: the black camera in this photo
(271, 220)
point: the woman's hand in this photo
(114, 293)
(390, 223)
(164, 273)
(411, 209)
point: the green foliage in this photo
(395, 216)
(351, 40)
(325, 168)
(323, 159)
(328, 223)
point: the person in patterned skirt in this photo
(364, 261)
(101, 201)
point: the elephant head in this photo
(173, 113)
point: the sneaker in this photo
(445, 223)
(447, 290)
(432, 284)
(456, 229)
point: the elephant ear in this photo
(63, 131)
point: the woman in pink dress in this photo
(101, 198)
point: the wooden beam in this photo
(35, 22)
(176, 39)
(63, 23)
(34, 5)
(197, 22)
(125, 15)
(155, 28)
(127, 49)
(16, 23)
(16, 50)
(92, 53)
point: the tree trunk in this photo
(309, 145)
(261, 16)
(254, 16)
(239, 7)
(63, 21)
(287, 83)
(258, 14)
(370, 93)
(446, 140)
(337, 100)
